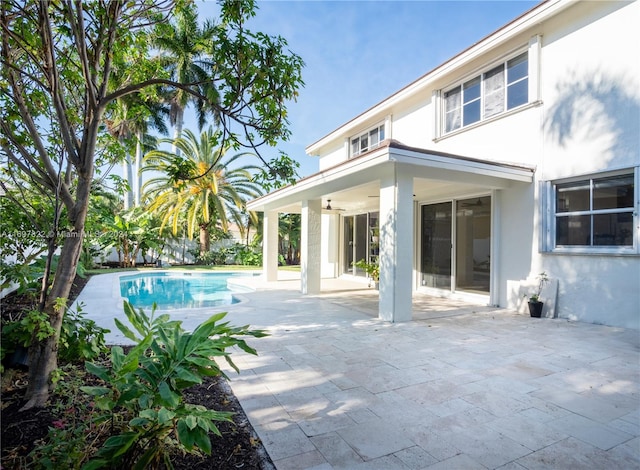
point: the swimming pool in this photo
(179, 290)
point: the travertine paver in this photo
(462, 387)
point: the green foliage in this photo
(66, 68)
(235, 254)
(71, 441)
(134, 232)
(212, 258)
(17, 334)
(147, 384)
(372, 269)
(213, 189)
(81, 339)
(278, 172)
(247, 256)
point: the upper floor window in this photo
(368, 140)
(495, 91)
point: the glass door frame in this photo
(453, 290)
(362, 230)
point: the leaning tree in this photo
(57, 84)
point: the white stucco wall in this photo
(334, 155)
(591, 90)
(330, 245)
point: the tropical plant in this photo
(143, 389)
(57, 64)
(184, 52)
(80, 338)
(372, 269)
(213, 191)
(289, 228)
(129, 120)
(134, 232)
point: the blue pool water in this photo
(176, 290)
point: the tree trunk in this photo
(177, 130)
(127, 175)
(43, 354)
(205, 239)
(136, 168)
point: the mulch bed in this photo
(238, 448)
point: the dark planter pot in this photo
(535, 309)
(19, 358)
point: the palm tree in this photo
(129, 120)
(213, 190)
(184, 49)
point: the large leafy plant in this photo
(142, 391)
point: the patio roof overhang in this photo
(351, 185)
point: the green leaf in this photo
(139, 422)
(201, 361)
(149, 414)
(187, 376)
(185, 435)
(99, 371)
(170, 398)
(96, 391)
(201, 439)
(95, 464)
(117, 357)
(118, 445)
(126, 331)
(191, 421)
(165, 416)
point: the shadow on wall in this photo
(598, 107)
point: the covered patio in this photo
(390, 179)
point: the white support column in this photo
(310, 249)
(496, 242)
(270, 246)
(396, 246)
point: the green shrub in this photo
(80, 339)
(143, 389)
(247, 256)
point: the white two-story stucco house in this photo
(519, 155)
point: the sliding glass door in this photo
(360, 241)
(456, 248)
(473, 244)
(436, 246)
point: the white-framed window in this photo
(495, 91)
(595, 214)
(368, 140)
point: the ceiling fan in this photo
(329, 208)
(478, 203)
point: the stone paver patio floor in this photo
(461, 387)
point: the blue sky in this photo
(359, 52)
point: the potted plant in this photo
(535, 304)
(372, 270)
